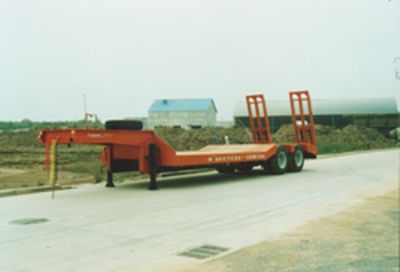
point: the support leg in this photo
(153, 167)
(110, 182)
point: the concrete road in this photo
(128, 228)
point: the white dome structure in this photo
(361, 106)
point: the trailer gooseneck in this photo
(128, 148)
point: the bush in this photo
(331, 140)
(181, 139)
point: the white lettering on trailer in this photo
(92, 135)
(255, 157)
(225, 158)
(237, 158)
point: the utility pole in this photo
(88, 116)
(84, 104)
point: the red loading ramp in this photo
(258, 119)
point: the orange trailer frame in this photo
(144, 151)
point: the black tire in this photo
(278, 164)
(124, 124)
(225, 169)
(296, 160)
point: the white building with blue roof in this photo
(183, 113)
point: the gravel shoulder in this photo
(362, 238)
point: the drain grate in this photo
(29, 221)
(203, 252)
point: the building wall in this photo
(182, 119)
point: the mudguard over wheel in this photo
(296, 160)
(278, 164)
(124, 124)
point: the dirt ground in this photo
(363, 238)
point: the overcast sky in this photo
(123, 54)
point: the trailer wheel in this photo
(296, 160)
(278, 164)
(124, 124)
(225, 169)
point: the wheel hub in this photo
(282, 160)
(298, 158)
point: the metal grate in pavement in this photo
(203, 252)
(29, 221)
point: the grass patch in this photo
(93, 168)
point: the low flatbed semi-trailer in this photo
(142, 150)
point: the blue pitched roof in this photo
(197, 104)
